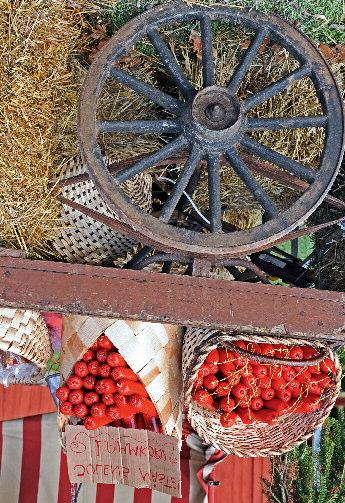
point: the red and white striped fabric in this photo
(33, 469)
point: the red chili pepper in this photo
(88, 356)
(266, 349)
(327, 365)
(227, 368)
(275, 404)
(225, 355)
(66, 408)
(266, 416)
(143, 405)
(243, 402)
(93, 367)
(106, 386)
(264, 382)
(126, 387)
(314, 369)
(255, 391)
(121, 412)
(233, 379)
(213, 367)
(249, 381)
(240, 361)
(296, 393)
(267, 394)
(256, 403)
(212, 357)
(124, 373)
(281, 350)
(259, 370)
(275, 371)
(278, 384)
(108, 399)
(105, 343)
(95, 346)
(314, 389)
(228, 419)
(210, 382)
(198, 383)
(76, 396)
(98, 409)
(116, 360)
(309, 352)
(284, 395)
(239, 391)
(135, 422)
(91, 398)
(89, 382)
(323, 380)
(241, 344)
(288, 374)
(294, 385)
(253, 347)
(151, 423)
(204, 370)
(246, 415)
(104, 370)
(80, 369)
(296, 353)
(227, 404)
(223, 389)
(62, 393)
(74, 382)
(80, 410)
(310, 403)
(102, 355)
(92, 423)
(246, 370)
(203, 398)
(304, 376)
(120, 400)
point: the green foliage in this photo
(321, 20)
(298, 469)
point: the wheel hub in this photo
(215, 108)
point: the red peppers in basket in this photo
(126, 387)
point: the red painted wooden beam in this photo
(149, 296)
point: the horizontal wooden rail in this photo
(193, 301)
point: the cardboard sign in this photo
(137, 458)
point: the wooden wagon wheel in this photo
(210, 124)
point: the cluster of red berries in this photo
(104, 390)
(240, 387)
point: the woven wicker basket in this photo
(152, 350)
(257, 439)
(85, 240)
(25, 333)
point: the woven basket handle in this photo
(277, 361)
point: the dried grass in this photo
(39, 37)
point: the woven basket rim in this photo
(203, 348)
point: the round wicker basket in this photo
(257, 439)
(82, 239)
(24, 333)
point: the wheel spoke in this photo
(164, 100)
(170, 62)
(207, 52)
(192, 162)
(143, 127)
(246, 176)
(284, 162)
(171, 148)
(285, 123)
(275, 88)
(246, 61)
(214, 193)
